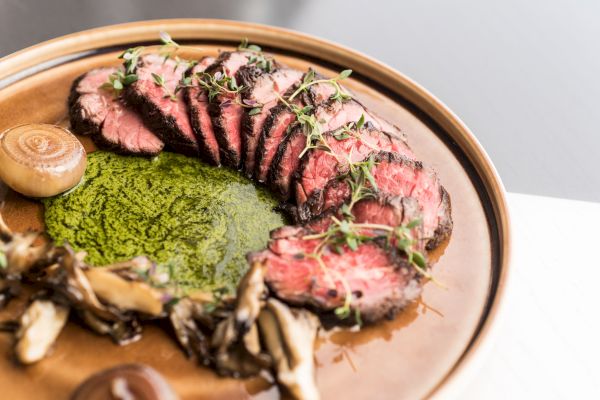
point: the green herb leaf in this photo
(352, 243)
(253, 47)
(129, 79)
(419, 259)
(344, 74)
(414, 223)
(342, 312)
(255, 110)
(361, 121)
(158, 79)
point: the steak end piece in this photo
(163, 111)
(113, 126)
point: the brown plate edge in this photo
(56, 51)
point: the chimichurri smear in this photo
(197, 220)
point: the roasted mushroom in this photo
(40, 325)
(289, 336)
(236, 341)
(123, 294)
(189, 335)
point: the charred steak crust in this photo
(285, 162)
(224, 111)
(445, 225)
(156, 108)
(262, 91)
(79, 123)
(278, 124)
(277, 112)
(164, 125)
(199, 118)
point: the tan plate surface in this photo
(421, 353)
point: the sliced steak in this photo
(397, 176)
(264, 91)
(277, 125)
(383, 209)
(379, 279)
(98, 112)
(331, 115)
(197, 101)
(226, 111)
(318, 166)
(164, 112)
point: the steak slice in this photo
(329, 116)
(226, 110)
(318, 166)
(279, 121)
(264, 91)
(379, 279)
(397, 176)
(197, 101)
(113, 126)
(164, 111)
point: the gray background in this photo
(523, 75)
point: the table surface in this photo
(547, 343)
(522, 75)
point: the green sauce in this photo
(198, 220)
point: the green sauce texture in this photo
(197, 220)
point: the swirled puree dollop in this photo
(195, 220)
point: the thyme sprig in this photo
(169, 46)
(130, 58)
(217, 84)
(117, 81)
(309, 80)
(159, 80)
(258, 58)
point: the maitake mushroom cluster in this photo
(239, 337)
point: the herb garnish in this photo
(258, 58)
(218, 83)
(159, 80)
(309, 80)
(168, 45)
(117, 81)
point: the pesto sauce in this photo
(197, 220)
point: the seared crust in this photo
(163, 125)
(80, 124)
(204, 149)
(266, 132)
(277, 180)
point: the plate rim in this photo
(40, 56)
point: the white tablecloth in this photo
(547, 345)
